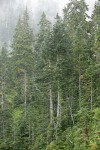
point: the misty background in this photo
(11, 9)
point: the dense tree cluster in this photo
(50, 83)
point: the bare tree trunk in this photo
(14, 136)
(29, 128)
(79, 84)
(58, 111)
(32, 134)
(51, 100)
(3, 130)
(25, 90)
(2, 106)
(2, 97)
(58, 99)
(91, 94)
(58, 106)
(51, 106)
(71, 113)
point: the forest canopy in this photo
(50, 82)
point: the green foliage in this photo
(50, 83)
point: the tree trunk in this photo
(91, 94)
(2, 106)
(51, 100)
(58, 106)
(25, 88)
(79, 84)
(51, 106)
(70, 108)
(32, 134)
(25, 91)
(2, 97)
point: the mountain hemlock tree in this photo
(23, 63)
(76, 19)
(96, 48)
(3, 82)
(4, 59)
(43, 38)
(23, 50)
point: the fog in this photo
(10, 10)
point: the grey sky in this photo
(51, 6)
(36, 5)
(10, 10)
(57, 4)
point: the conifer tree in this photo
(22, 58)
(96, 48)
(50, 83)
(22, 54)
(76, 20)
(4, 102)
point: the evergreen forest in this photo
(50, 82)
